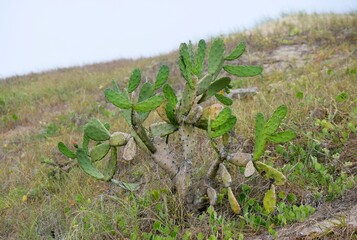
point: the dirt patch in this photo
(288, 56)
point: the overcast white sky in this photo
(38, 35)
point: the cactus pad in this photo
(161, 77)
(243, 71)
(117, 98)
(118, 139)
(188, 97)
(233, 202)
(249, 169)
(282, 137)
(270, 173)
(269, 200)
(129, 151)
(215, 55)
(162, 129)
(87, 166)
(204, 83)
(200, 58)
(99, 151)
(194, 114)
(209, 112)
(95, 130)
(149, 104)
(65, 150)
(134, 80)
(215, 87)
(221, 118)
(223, 99)
(212, 196)
(170, 95)
(260, 140)
(237, 52)
(224, 128)
(226, 176)
(112, 164)
(273, 123)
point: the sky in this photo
(40, 35)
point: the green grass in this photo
(39, 201)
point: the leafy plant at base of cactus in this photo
(197, 108)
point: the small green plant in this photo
(204, 104)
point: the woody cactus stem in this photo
(182, 180)
(164, 158)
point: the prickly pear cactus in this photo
(204, 103)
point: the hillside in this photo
(310, 65)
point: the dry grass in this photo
(38, 110)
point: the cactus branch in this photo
(140, 130)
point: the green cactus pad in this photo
(223, 99)
(112, 164)
(146, 91)
(260, 139)
(269, 200)
(107, 126)
(87, 166)
(211, 111)
(161, 77)
(118, 99)
(191, 53)
(170, 95)
(204, 83)
(65, 150)
(118, 139)
(243, 71)
(187, 60)
(171, 115)
(200, 59)
(184, 71)
(273, 123)
(85, 143)
(282, 137)
(99, 151)
(188, 98)
(237, 52)
(134, 80)
(215, 87)
(226, 127)
(149, 104)
(162, 129)
(215, 55)
(221, 119)
(95, 130)
(270, 173)
(115, 86)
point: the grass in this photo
(44, 201)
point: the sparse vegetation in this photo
(309, 64)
